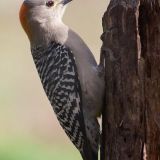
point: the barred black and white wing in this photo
(58, 73)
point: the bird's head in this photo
(35, 14)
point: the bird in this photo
(68, 71)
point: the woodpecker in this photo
(68, 72)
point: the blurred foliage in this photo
(19, 149)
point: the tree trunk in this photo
(131, 52)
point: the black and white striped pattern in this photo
(58, 73)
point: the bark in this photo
(131, 52)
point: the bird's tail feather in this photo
(89, 154)
(92, 156)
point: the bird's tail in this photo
(89, 154)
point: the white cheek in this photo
(58, 11)
(63, 10)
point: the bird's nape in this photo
(23, 19)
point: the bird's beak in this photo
(66, 2)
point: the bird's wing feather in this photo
(58, 73)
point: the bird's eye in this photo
(50, 3)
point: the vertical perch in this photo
(131, 51)
(149, 27)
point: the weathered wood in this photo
(131, 51)
(149, 26)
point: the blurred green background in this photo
(28, 127)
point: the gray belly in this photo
(92, 90)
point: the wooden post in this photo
(131, 51)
